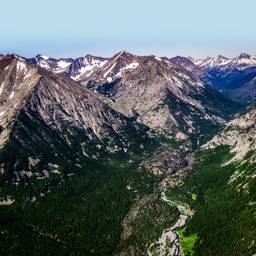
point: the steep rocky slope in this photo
(166, 97)
(239, 134)
(155, 91)
(17, 82)
(114, 67)
(52, 118)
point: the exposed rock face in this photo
(154, 91)
(165, 97)
(188, 64)
(90, 67)
(239, 134)
(242, 61)
(235, 77)
(17, 80)
(52, 118)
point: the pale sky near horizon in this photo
(62, 28)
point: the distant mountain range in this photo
(234, 77)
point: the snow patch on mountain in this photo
(158, 58)
(63, 64)
(11, 95)
(106, 74)
(20, 66)
(129, 66)
(240, 62)
(2, 87)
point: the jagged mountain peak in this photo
(244, 56)
(211, 62)
(188, 64)
(122, 53)
(221, 57)
(91, 57)
(41, 56)
(155, 92)
(182, 59)
(58, 101)
(243, 61)
(223, 62)
(115, 66)
(123, 56)
(61, 65)
(81, 68)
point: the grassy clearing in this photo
(187, 242)
(194, 196)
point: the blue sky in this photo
(103, 27)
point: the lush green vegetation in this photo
(194, 196)
(146, 222)
(224, 218)
(112, 205)
(81, 216)
(81, 209)
(187, 242)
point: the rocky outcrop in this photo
(239, 134)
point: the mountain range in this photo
(234, 77)
(117, 79)
(127, 155)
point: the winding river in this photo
(168, 244)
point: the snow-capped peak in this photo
(158, 58)
(44, 57)
(222, 60)
(210, 62)
(244, 60)
(115, 66)
(83, 67)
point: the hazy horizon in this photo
(114, 53)
(163, 28)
